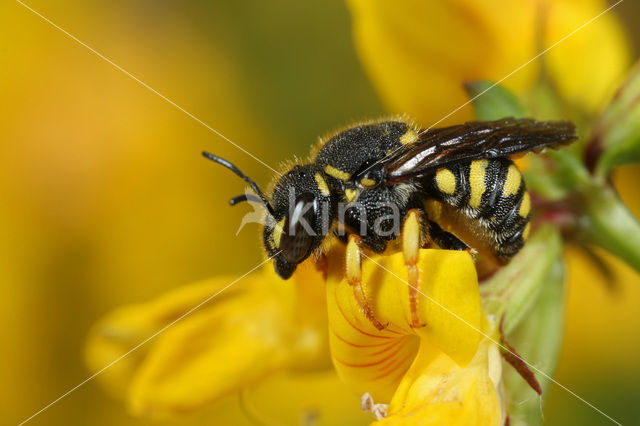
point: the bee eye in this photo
(298, 234)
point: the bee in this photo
(389, 182)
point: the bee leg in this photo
(354, 278)
(444, 239)
(412, 236)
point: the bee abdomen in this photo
(493, 195)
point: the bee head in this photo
(298, 214)
(301, 220)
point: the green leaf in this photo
(513, 290)
(608, 223)
(493, 102)
(566, 175)
(538, 341)
(529, 293)
(616, 137)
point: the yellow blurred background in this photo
(106, 200)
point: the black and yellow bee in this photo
(455, 187)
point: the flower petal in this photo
(419, 53)
(211, 355)
(375, 361)
(436, 390)
(310, 398)
(254, 328)
(587, 65)
(123, 329)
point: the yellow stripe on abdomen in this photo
(477, 175)
(512, 182)
(525, 205)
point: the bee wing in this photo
(475, 140)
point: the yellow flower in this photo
(419, 53)
(254, 328)
(444, 373)
(263, 326)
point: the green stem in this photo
(609, 224)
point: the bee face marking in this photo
(336, 173)
(512, 182)
(277, 233)
(477, 174)
(526, 232)
(446, 181)
(322, 185)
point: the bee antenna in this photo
(244, 177)
(245, 197)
